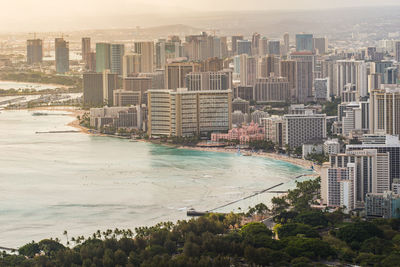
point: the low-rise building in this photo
(384, 205)
(244, 134)
(117, 117)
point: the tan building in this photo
(146, 50)
(288, 70)
(138, 84)
(175, 73)
(159, 112)
(385, 110)
(131, 63)
(123, 98)
(268, 65)
(275, 129)
(272, 89)
(188, 113)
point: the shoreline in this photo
(295, 161)
(74, 112)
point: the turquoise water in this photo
(55, 182)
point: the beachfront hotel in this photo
(188, 113)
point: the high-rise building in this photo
(255, 43)
(286, 43)
(62, 55)
(184, 113)
(248, 70)
(274, 128)
(212, 64)
(304, 75)
(304, 42)
(304, 128)
(93, 89)
(175, 73)
(263, 46)
(159, 112)
(370, 174)
(103, 57)
(380, 67)
(34, 49)
(374, 81)
(123, 98)
(353, 72)
(110, 83)
(383, 205)
(397, 51)
(131, 64)
(235, 38)
(91, 64)
(385, 110)
(98, 88)
(383, 144)
(267, 65)
(274, 47)
(272, 89)
(328, 70)
(86, 49)
(146, 49)
(224, 47)
(117, 54)
(243, 47)
(198, 81)
(320, 45)
(167, 49)
(390, 75)
(244, 92)
(288, 70)
(138, 84)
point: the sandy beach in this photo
(299, 162)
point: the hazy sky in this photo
(20, 12)
(21, 8)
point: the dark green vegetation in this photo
(302, 236)
(318, 158)
(331, 108)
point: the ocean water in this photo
(80, 183)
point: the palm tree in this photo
(66, 235)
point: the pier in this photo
(194, 213)
(52, 132)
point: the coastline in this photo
(295, 161)
(74, 112)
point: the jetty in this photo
(53, 132)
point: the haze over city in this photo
(27, 15)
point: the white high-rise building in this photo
(352, 72)
(303, 128)
(348, 177)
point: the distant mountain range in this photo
(331, 22)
